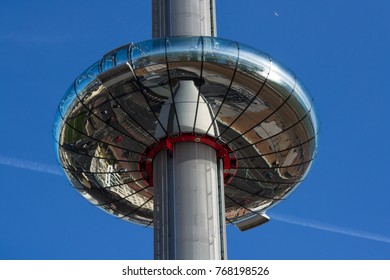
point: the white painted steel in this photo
(183, 18)
(189, 223)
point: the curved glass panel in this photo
(107, 61)
(122, 55)
(57, 126)
(67, 100)
(254, 62)
(243, 104)
(131, 110)
(221, 51)
(184, 49)
(88, 76)
(281, 80)
(148, 53)
(99, 117)
(303, 96)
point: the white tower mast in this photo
(189, 208)
(183, 18)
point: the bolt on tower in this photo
(186, 132)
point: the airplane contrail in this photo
(330, 228)
(30, 165)
(55, 170)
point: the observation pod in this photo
(123, 120)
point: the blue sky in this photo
(339, 49)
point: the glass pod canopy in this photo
(109, 119)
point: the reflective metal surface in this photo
(109, 116)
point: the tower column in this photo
(188, 181)
(183, 18)
(189, 219)
(189, 210)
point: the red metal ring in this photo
(145, 162)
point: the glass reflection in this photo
(147, 53)
(220, 51)
(304, 97)
(107, 62)
(67, 100)
(184, 49)
(88, 76)
(122, 55)
(281, 80)
(254, 62)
